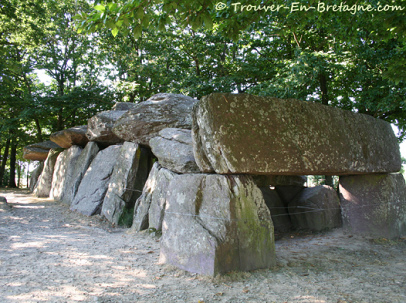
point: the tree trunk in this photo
(18, 175)
(13, 158)
(329, 181)
(323, 88)
(4, 161)
(39, 130)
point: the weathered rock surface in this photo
(81, 165)
(93, 188)
(216, 224)
(38, 151)
(100, 127)
(123, 106)
(71, 136)
(121, 188)
(44, 183)
(289, 192)
(35, 176)
(4, 206)
(174, 150)
(262, 135)
(275, 180)
(150, 207)
(279, 212)
(316, 209)
(63, 172)
(374, 205)
(147, 118)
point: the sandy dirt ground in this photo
(50, 254)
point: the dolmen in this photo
(221, 177)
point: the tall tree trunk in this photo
(18, 175)
(39, 130)
(323, 88)
(329, 180)
(4, 161)
(324, 100)
(13, 160)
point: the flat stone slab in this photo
(71, 136)
(99, 128)
(147, 118)
(374, 205)
(38, 151)
(262, 135)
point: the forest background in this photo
(61, 62)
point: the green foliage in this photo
(126, 219)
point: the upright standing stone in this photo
(63, 172)
(121, 188)
(93, 188)
(316, 209)
(279, 212)
(45, 180)
(216, 224)
(150, 207)
(81, 165)
(374, 205)
(147, 118)
(262, 135)
(35, 176)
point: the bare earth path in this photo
(49, 254)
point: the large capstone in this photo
(71, 136)
(38, 151)
(316, 209)
(121, 190)
(262, 135)
(80, 167)
(123, 106)
(63, 172)
(216, 224)
(92, 190)
(150, 207)
(147, 118)
(374, 205)
(44, 183)
(174, 150)
(100, 127)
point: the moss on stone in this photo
(126, 218)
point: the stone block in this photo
(215, 224)
(374, 205)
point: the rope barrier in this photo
(310, 209)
